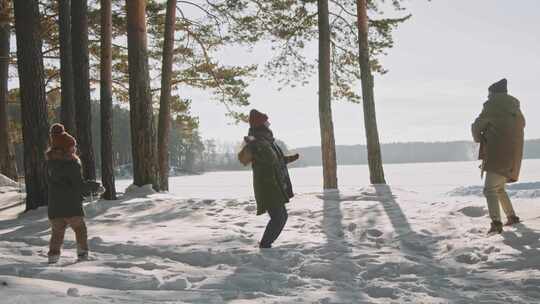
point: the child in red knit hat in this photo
(66, 187)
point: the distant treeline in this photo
(189, 153)
(413, 152)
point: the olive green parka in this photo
(500, 131)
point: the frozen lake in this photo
(421, 177)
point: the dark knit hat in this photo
(257, 119)
(499, 87)
(60, 139)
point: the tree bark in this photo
(165, 97)
(81, 68)
(8, 164)
(35, 126)
(328, 144)
(376, 172)
(67, 107)
(144, 148)
(105, 84)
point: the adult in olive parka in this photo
(271, 181)
(500, 131)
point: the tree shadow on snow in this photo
(440, 279)
(527, 242)
(340, 268)
(411, 242)
(31, 224)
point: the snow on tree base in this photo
(6, 182)
(136, 191)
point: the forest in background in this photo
(190, 153)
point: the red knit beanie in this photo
(257, 119)
(60, 139)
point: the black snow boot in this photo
(496, 227)
(264, 246)
(512, 220)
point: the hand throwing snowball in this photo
(271, 181)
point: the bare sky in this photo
(444, 59)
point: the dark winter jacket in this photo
(499, 130)
(66, 188)
(271, 181)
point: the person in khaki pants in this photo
(500, 131)
(65, 186)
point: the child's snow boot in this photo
(82, 255)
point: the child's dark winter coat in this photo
(65, 188)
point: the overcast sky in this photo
(444, 59)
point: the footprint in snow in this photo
(474, 211)
(374, 233)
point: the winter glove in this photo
(245, 156)
(292, 158)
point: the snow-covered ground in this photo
(420, 240)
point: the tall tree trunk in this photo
(35, 126)
(376, 172)
(328, 144)
(165, 98)
(67, 108)
(83, 113)
(105, 84)
(144, 148)
(8, 164)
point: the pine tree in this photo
(8, 165)
(165, 97)
(67, 109)
(328, 145)
(376, 171)
(35, 125)
(144, 150)
(79, 35)
(106, 102)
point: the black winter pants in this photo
(278, 218)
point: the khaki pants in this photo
(58, 227)
(495, 192)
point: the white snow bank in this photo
(136, 191)
(519, 190)
(6, 182)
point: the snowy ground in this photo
(422, 240)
